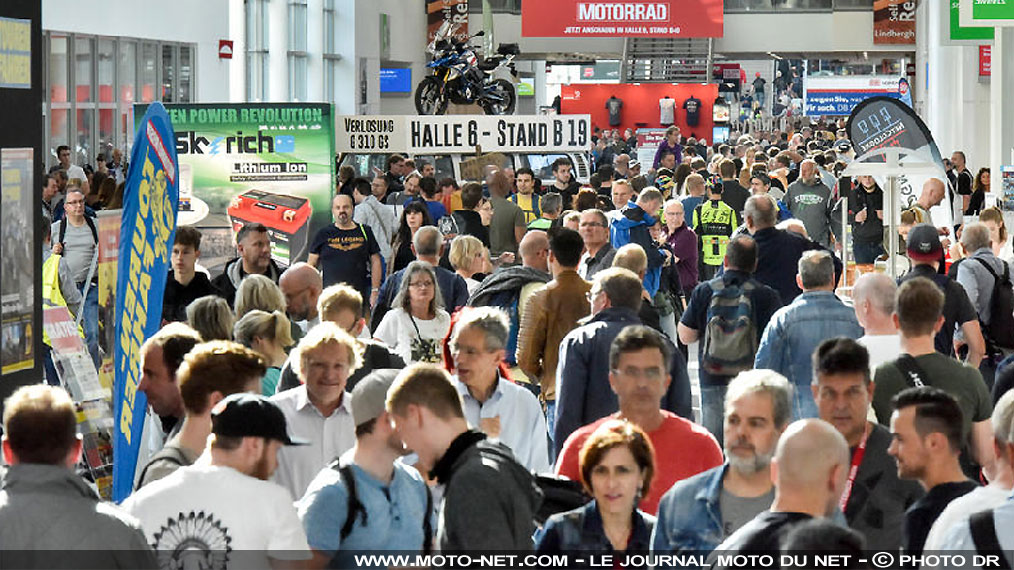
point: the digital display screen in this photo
(395, 80)
(720, 134)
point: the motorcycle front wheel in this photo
(505, 101)
(428, 97)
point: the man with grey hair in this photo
(633, 225)
(583, 392)
(873, 300)
(428, 245)
(778, 251)
(812, 202)
(552, 207)
(951, 529)
(493, 404)
(809, 469)
(795, 330)
(978, 273)
(698, 513)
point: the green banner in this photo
(271, 163)
(959, 32)
(993, 9)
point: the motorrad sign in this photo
(461, 134)
(636, 18)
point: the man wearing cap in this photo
(227, 513)
(926, 254)
(367, 500)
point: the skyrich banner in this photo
(622, 18)
(881, 122)
(271, 163)
(894, 22)
(150, 199)
(840, 95)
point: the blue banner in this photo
(150, 199)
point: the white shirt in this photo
(960, 509)
(414, 339)
(883, 348)
(329, 438)
(522, 424)
(212, 507)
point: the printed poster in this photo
(17, 259)
(108, 226)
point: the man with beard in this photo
(227, 507)
(347, 252)
(698, 513)
(367, 500)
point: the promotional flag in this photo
(150, 199)
(880, 122)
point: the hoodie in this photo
(490, 500)
(631, 226)
(228, 282)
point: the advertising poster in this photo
(958, 32)
(440, 11)
(894, 22)
(15, 53)
(17, 274)
(150, 202)
(992, 10)
(840, 95)
(108, 226)
(648, 141)
(630, 19)
(271, 163)
(1008, 188)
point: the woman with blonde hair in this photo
(266, 334)
(992, 218)
(468, 256)
(211, 317)
(258, 292)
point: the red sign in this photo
(224, 49)
(622, 18)
(985, 61)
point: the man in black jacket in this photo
(490, 500)
(254, 248)
(184, 284)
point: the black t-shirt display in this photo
(693, 108)
(613, 105)
(345, 256)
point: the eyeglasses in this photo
(653, 374)
(421, 284)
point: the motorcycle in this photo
(458, 77)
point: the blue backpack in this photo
(730, 336)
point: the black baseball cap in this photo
(251, 415)
(924, 243)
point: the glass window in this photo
(329, 27)
(185, 84)
(83, 139)
(256, 50)
(330, 79)
(168, 73)
(297, 25)
(107, 125)
(83, 69)
(149, 73)
(297, 77)
(127, 69)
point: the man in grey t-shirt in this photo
(76, 238)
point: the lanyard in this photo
(857, 460)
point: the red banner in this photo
(985, 61)
(894, 22)
(622, 18)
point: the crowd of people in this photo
(449, 354)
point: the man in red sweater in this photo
(638, 362)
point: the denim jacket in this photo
(689, 517)
(581, 530)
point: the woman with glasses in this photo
(416, 325)
(617, 465)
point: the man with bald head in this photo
(933, 193)
(873, 299)
(812, 202)
(809, 470)
(302, 285)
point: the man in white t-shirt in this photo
(226, 513)
(873, 298)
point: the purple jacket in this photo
(677, 150)
(683, 243)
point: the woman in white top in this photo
(992, 218)
(468, 256)
(417, 325)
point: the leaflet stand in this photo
(896, 161)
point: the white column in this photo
(1001, 133)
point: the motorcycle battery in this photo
(286, 217)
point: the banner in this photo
(882, 122)
(992, 10)
(894, 22)
(17, 273)
(271, 163)
(150, 200)
(958, 32)
(440, 11)
(15, 53)
(461, 133)
(622, 18)
(108, 226)
(840, 95)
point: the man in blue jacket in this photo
(583, 394)
(632, 225)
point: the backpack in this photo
(1000, 329)
(730, 337)
(170, 454)
(356, 508)
(88, 220)
(983, 530)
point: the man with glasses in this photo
(493, 404)
(77, 240)
(639, 360)
(594, 230)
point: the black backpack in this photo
(1000, 329)
(356, 508)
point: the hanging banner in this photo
(15, 53)
(413, 134)
(17, 275)
(957, 30)
(150, 200)
(622, 18)
(440, 11)
(894, 22)
(271, 163)
(881, 122)
(840, 95)
(108, 226)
